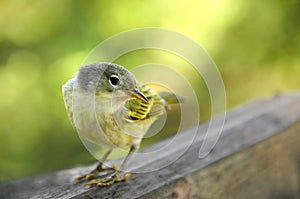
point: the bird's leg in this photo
(115, 177)
(98, 169)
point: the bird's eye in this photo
(114, 80)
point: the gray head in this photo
(108, 78)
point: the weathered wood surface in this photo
(257, 156)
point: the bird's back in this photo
(67, 91)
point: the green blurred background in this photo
(255, 44)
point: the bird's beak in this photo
(139, 95)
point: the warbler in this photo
(124, 109)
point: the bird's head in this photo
(108, 80)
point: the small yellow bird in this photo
(124, 110)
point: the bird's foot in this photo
(108, 181)
(87, 176)
(94, 173)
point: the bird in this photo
(109, 107)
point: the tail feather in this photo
(170, 98)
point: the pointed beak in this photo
(139, 95)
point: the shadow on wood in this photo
(257, 155)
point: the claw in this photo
(93, 174)
(91, 183)
(127, 176)
(88, 176)
(108, 181)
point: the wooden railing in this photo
(256, 156)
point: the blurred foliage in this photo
(255, 44)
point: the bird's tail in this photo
(171, 98)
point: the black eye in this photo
(114, 80)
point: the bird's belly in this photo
(121, 132)
(104, 128)
(89, 128)
(108, 132)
